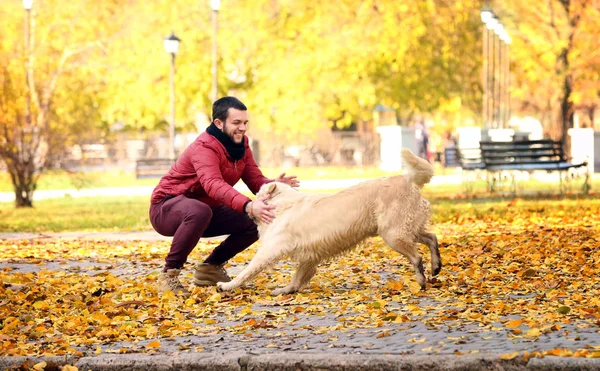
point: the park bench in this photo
(504, 160)
(471, 163)
(152, 167)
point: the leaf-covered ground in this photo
(520, 278)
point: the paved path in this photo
(111, 236)
(306, 185)
(242, 361)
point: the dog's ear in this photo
(272, 188)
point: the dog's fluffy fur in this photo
(310, 228)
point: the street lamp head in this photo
(27, 4)
(491, 23)
(486, 15)
(172, 44)
(215, 5)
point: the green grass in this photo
(53, 180)
(131, 213)
(78, 214)
(527, 189)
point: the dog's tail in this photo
(418, 170)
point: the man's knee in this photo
(198, 214)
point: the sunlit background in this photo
(94, 84)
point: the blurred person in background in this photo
(422, 136)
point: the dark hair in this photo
(221, 107)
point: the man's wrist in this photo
(247, 208)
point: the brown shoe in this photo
(169, 281)
(208, 274)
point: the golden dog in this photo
(309, 228)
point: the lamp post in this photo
(215, 5)
(27, 4)
(490, 25)
(172, 46)
(496, 78)
(486, 15)
(506, 96)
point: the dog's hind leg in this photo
(265, 257)
(430, 240)
(304, 272)
(408, 249)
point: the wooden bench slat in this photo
(152, 167)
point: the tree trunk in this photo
(24, 181)
(566, 107)
(24, 197)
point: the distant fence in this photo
(341, 149)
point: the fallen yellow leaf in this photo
(534, 332)
(508, 356)
(514, 323)
(414, 287)
(153, 344)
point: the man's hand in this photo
(289, 180)
(259, 210)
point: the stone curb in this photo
(242, 361)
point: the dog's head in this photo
(270, 194)
(271, 190)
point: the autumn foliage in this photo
(523, 269)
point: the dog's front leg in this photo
(265, 257)
(304, 272)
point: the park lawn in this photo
(131, 213)
(77, 214)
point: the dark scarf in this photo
(236, 151)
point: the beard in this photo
(230, 131)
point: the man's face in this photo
(235, 126)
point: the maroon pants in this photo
(187, 219)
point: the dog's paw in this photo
(221, 286)
(282, 291)
(279, 292)
(436, 270)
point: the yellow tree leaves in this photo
(545, 35)
(300, 65)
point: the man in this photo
(196, 198)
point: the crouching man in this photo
(196, 198)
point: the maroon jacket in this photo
(206, 172)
